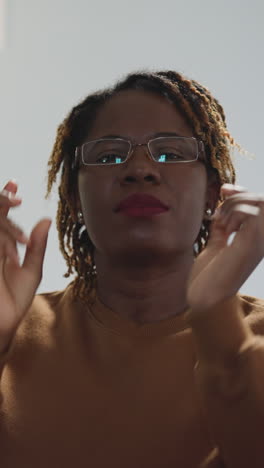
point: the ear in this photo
(213, 189)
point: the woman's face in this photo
(140, 116)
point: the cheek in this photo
(193, 201)
(190, 194)
(93, 198)
(189, 216)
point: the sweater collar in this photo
(109, 319)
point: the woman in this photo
(150, 357)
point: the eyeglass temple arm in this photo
(76, 155)
(201, 150)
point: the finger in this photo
(217, 240)
(232, 188)
(12, 254)
(8, 250)
(228, 190)
(248, 198)
(36, 248)
(240, 215)
(8, 198)
(15, 232)
(224, 225)
(229, 204)
(11, 186)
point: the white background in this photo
(58, 51)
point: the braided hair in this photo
(205, 116)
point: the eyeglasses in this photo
(114, 151)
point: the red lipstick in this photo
(141, 204)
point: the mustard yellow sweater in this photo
(84, 387)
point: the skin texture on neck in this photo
(143, 264)
(145, 294)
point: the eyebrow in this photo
(154, 135)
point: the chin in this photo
(150, 252)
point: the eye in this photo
(166, 156)
(110, 158)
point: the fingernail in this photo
(9, 195)
(233, 187)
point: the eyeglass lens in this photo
(163, 150)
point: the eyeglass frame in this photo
(133, 146)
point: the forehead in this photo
(138, 114)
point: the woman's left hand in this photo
(221, 269)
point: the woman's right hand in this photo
(18, 283)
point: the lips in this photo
(141, 201)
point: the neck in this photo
(144, 294)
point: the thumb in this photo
(34, 257)
(217, 241)
(218, 236)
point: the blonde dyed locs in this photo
(203, 113)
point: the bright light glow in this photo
(2, 23)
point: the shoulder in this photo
(253, 310)
(43, 318)
(38, 332)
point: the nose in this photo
(140, 168)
